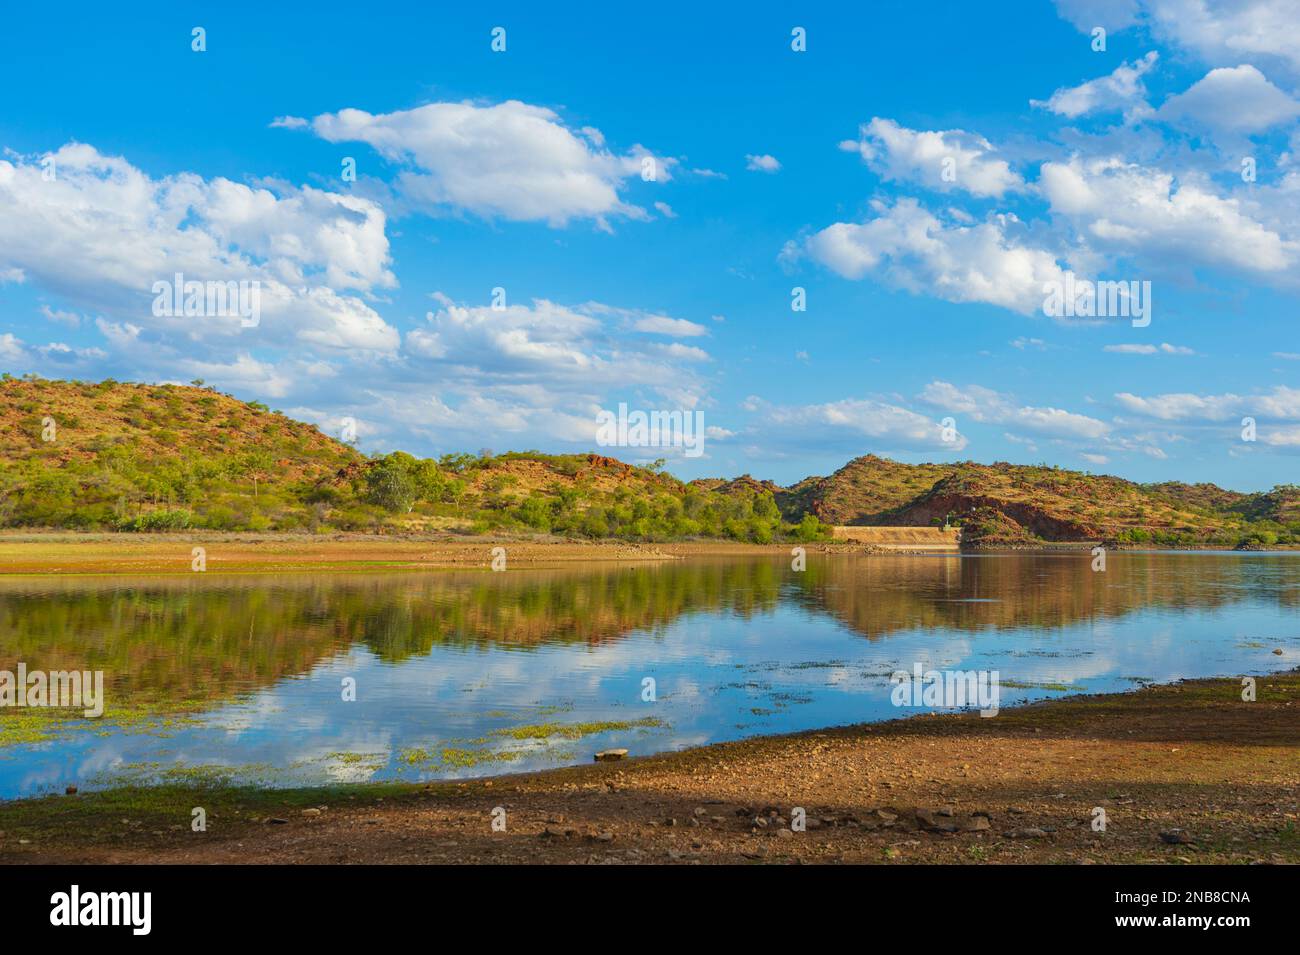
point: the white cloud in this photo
(888, 426)
(121, 335)
(102, 232)
(1122, 89)
(909, 247)
(568, 348)
(663, 325)
(677, 350)
(1219, 32)
(1127, 207)
(986, 406)
(1236, 99)
(537, 372)
(762, 163)
(11, 348)
(638, 320)
(1109, 14)
(945, 161)
(71, 319)
(1182, 406)
(512, 160)
(244, 374)
(1281, 437)
(63, 353)
(1226, 31)
(19, 355)
(1164, 348)
(1281, 402)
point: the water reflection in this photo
(462, 673)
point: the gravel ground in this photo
(1187, 773)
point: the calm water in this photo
(471, 673)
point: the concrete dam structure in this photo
(936, 539)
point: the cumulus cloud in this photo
(888, 426)
(909, 247)
(1281, 437)
(243, 374)
(1236, 99)
(1127, 207)
(762, 163)
(1281, 402)
(102, 232)
(986, 406)
(1122, 89)
(1182, 406)
(71, 319)
(945, 161)
(11, 348)
(1225, 31)
(541, 369)
(650, 323)
(663, 325)
(16, 353)
(1219, 32)
(511, 161)
(1163, 349)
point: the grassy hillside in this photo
(864, 491)
(1006, 505)
(117, 456)
(169, 457)
(134, 456)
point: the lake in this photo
(285, 680)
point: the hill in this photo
(112, 454)
(864, 491)
(1009, 505)
(121, 456)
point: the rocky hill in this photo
(120, 456)
(134, 457)
(1008, 505)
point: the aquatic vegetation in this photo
(42, 724)
(468, 758)
(354, 759)
(1055, 687)
(575, 730)
(155, 773)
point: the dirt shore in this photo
(1187, 773)
(67, 554)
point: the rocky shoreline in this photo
(1184, 773)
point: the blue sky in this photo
(920, 170)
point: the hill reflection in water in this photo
(472, 663)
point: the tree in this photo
(430, 482)
(389, 484)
